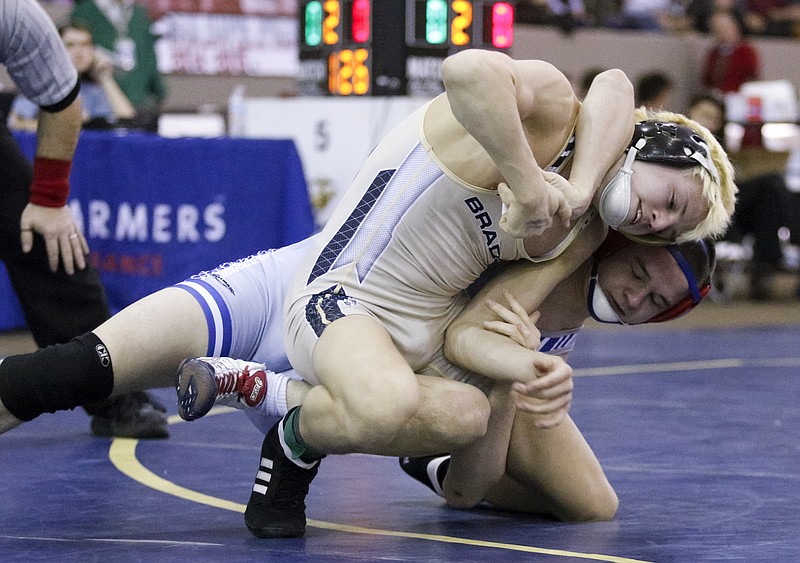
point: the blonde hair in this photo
(720, 197)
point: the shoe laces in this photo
(228, 378)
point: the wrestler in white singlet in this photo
(405, 241)
(243, 305)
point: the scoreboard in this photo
(392, 47)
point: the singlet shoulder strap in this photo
(577, 229)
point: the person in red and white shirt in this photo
(732, 60)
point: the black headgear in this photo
(670, 143)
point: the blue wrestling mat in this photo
(698, 431)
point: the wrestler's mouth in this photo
(616, 306)
(638, 215)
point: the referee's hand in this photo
(62, 238)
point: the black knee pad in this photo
(55, 378)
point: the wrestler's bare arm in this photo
(493, 110)
(518, 464)
(478, 467)
(470, 345)
(603, 131)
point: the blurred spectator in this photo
(760, 213)
(760, 209)
(732, 60)
(709, 111)
(654, 91)
(774, 17)
(122, 28)
(600, 12)
(792, 180)
(696, 15)
(644, 15)
(564, 14)
(104, 104)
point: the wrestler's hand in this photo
(532, 218)
(61, 236)
(549, 395)
(514, 322)
(578, 197)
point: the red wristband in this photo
(50, 186)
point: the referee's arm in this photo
(42, 70)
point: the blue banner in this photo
(157, 210)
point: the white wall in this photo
(333, 136)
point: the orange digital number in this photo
(330, 24)
(360, 72)
(348, 73)
(459, 28)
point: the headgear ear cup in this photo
(596, 301)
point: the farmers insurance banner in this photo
(156, 211)
(228, 37)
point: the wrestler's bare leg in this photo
(369, 397)
(146, 342)
(554, 472)
(148, 339)
(449, 413)
(475, 469)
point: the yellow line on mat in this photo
(122, 454)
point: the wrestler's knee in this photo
(376, 415)
(468, 415)
(461, 499)
(58, 377)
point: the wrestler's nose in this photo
(636, 295)
(660, 221)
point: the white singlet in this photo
(405, 241)
(243, 305)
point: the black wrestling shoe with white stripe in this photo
(277, 508)
(429, 470)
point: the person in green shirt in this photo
(122, 27)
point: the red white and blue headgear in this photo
(600, 308)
